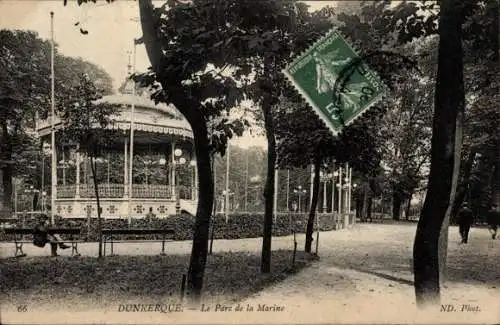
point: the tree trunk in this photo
(265, 266)
(98, 202)
(408, 205)
(201, 232)
(396, 204)
(7, 170)
(366, 188)
(314, 203)
(202, 148)
(7, 173)
(369, 209)
(429, 250)
(359, 209)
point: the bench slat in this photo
(137, 231)
(138, 241)
(29, 231)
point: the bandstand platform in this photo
(164, 178)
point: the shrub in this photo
(239, 225)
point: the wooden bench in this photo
(108, 234)
(7, 222)
(19, 241)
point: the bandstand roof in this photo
(157, 120)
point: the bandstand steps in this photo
(188, 206)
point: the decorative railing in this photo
(105, 190)
(66, 191)
(118, 191)
(151, 191)
(184, 192)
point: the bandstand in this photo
(163, 165)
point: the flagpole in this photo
(227, 183)
(53, 180)
(131, 160)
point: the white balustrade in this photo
(151, 191)
(117, 191)
(105, 190)
(66, 191)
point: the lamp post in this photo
(53, 179)
(31, 190)
(325, 177)
(339, 186)
(148, 163)
(226, 195)
(64, 164)
(180, 161)
(299, 191)
(288, 190)
(131, 144)
(44, 195)
(194, 187)
(246, 180)
(227, 183)
(254, 185)
(334, 179)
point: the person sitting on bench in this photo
(42, 237)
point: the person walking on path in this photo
(465, 219)
(493, 219)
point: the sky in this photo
(111, 31)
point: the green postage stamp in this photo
(315, 73)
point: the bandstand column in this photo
(77, 185)
(172, 178)
(125, 169)
(195, 196)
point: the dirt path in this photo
(363, 276)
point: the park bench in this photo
(108, 234)
(19, 238)
(7, 222)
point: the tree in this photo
(429, 252)
(302, 140)
(85, 125)
(207, 34)
(25, 94)
(246, 42)
(482, 84)
(23, 62)
(406, 129)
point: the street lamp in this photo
(299, 191)
(325, 177)
(194, 186)
(31, 190)
(44, 195)
(65, 164)
(226, 195)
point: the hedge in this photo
(239, 225)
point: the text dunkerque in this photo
(150, 308)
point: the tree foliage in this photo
(85, 125)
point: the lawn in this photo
(107, 282)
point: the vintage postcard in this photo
(249, 162)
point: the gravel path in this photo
(363, 276)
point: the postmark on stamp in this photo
(316, 75)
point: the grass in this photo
(229, 277)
